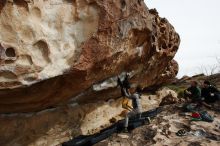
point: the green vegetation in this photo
(179, 90)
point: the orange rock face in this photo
(56, 51)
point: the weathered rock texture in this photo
(55, 50)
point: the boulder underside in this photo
(53, 52)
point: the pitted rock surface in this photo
(54, 51)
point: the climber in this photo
(121, 86)
(209, 93)
(126, 83)
(125, 86)
(136, 107)
(193, 92)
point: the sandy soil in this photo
(162, 131)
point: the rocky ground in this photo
(54, 126)
(162, 131)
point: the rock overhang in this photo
(52, 51)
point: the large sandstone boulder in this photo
(56, 51)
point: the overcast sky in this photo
(198, 24)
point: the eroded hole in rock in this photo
(163, 20)
(154, 47)
(170, 45)
(156, 20)
(10, 52)
(27, 34)
(170, 34)
(41, 53)
(123, 4)
(175, 48)
(154, 12)
(153, 38)
(162, 29)
(36, 12)
(7, 76)
(24, 60)
(21, 3)
(2, 4)
(164, 46)
(30, 77)
(9, 61)
(139, 2)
